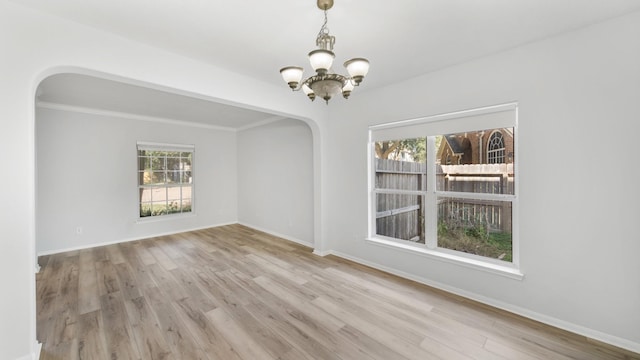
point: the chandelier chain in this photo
(324, 30)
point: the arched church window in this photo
(495, 149)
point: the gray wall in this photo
(275, 179)
(579, 114)
(86, 177)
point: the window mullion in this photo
(478, 196)
(431, 206)
(400, 192)
(372, 195)
(166, 184)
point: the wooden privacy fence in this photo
(397, 215)
(401, 216)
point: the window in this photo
(495, 149)
(165, 179)
(432, 190)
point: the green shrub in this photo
(475, 239)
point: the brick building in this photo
(480, 147)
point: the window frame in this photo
(431, 194)
(153, 146)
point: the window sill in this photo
(493, 268)
(150, 219)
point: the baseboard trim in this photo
(548, 320)
(274, 233)
(34, 355)
(323, 253)
(89, 246)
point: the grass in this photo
(476, 240)
(149, 210)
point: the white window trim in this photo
(454, 257)
(430, 249)
(166, 147)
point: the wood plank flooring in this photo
(236, 293)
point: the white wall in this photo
(275, 179)
(34, 46)
(579, 121)
(86, 177)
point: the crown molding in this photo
(129, 116)
(262, 122)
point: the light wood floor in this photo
(235, 293)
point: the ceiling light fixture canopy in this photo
(325, 83)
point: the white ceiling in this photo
(402, 39)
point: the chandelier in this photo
(325, 83)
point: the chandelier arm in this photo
(333, 76)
